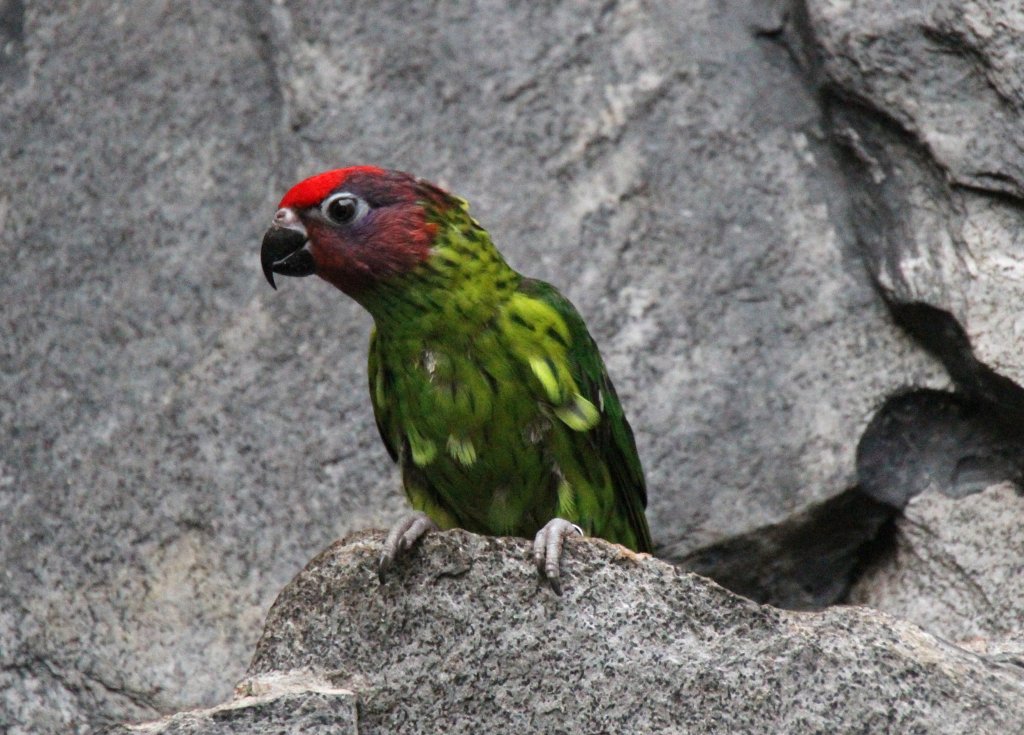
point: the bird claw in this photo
(547, 549)
(401, 538)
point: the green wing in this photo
(612, 437)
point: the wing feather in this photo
(612, 436)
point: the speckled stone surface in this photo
(956, 569)
(294, 702)
(464, 638)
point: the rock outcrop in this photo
(464, 638)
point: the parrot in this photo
(487, 388)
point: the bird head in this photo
(354, 227)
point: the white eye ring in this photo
(344, 208)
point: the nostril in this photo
(286, 218)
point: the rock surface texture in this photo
(955, 569)
(793, 226)
(465, 639)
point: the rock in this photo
(276, 703)
(926, 101)
(936, 440)
(927, 98)
(464, 638)
(954, 568)
(158, 483)
(806, 562)
(705, 180)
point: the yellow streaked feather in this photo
(548, 380)
(423, 449)
(579, 414)
(461, 450)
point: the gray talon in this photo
(402, 536)
(547, 550)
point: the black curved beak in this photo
(284, 251)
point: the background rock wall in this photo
(793, 228)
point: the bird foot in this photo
(401, 538)
(547, 549)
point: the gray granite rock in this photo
(939, 441)
(926, 102)
(805, 562)
(927, 99)
(954, 568)
(293, 702)
(463, 638)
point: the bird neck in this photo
(454, 292)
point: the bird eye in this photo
(344, 208)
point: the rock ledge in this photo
(464, 638)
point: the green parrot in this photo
(487, 388)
